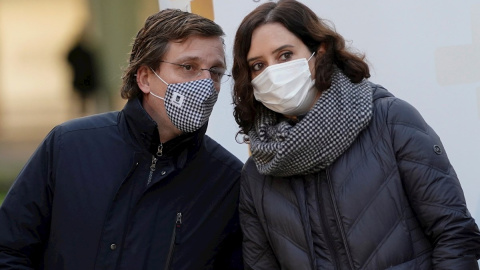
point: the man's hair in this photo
(152, 41)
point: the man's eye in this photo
(188, 67)
(216, 71)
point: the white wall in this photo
(425, 52)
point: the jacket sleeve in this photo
(230, 254)
(257, 253)
(433, 189)
(230, 250)
(25, 212)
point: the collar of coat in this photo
(144, 131)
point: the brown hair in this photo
(308, 27)
(151, 42)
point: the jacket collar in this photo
(379, 91)
(144, 131)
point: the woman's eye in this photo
(257, 66)
(285, 56)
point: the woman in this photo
(343, 175)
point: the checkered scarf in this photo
(281, 148)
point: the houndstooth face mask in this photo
(189, 104)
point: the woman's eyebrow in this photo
(273, 52)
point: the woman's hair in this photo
(151, 42)
(313, 31)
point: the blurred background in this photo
(59, 59)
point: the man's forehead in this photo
(197, 49)
(196, 42)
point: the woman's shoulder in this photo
(250, 172)
(394, 109)
(250, 167)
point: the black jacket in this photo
(89, 198)
(392, 200)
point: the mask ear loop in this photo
(159, 97)
(158, 76)
(307, 59)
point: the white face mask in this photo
(286, 88)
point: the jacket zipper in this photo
(323, 218)
(178, 223)
(154, 162)
(337, 218)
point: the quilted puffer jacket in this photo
(391, 201)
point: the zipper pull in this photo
(173, 241)
(154, 162)
(160, 150)
(179, 219)
(152, 169)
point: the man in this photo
(143, 188)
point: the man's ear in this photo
(142, 79)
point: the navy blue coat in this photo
(391, 201)
(89, 198)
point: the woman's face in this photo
(273, 44)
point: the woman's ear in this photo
(321, 49)
(142, 79)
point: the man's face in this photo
(201, 52)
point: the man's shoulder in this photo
(96, 121)
(219, 154)
(99, 127)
